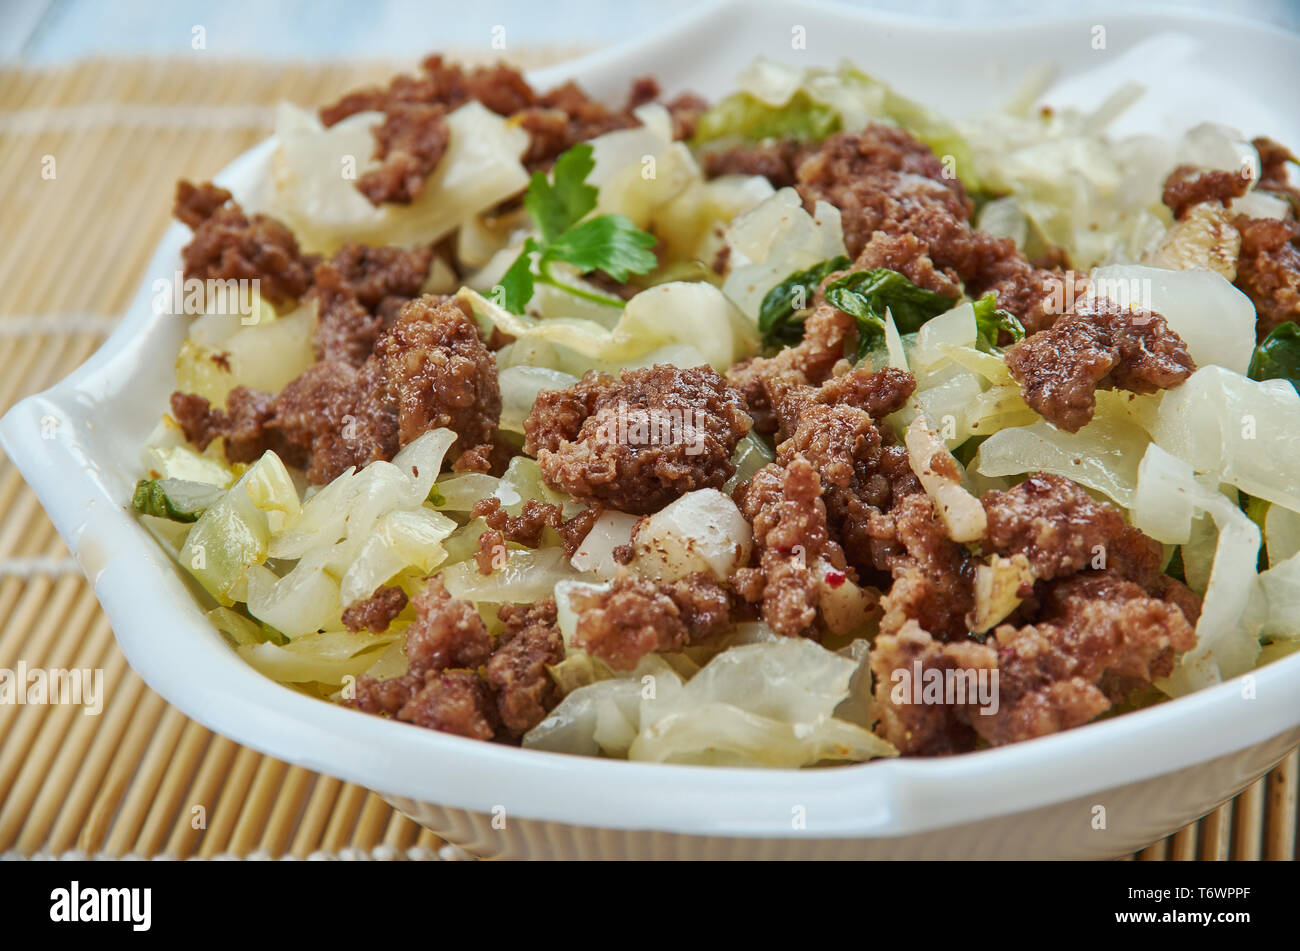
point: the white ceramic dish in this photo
(1149, 772)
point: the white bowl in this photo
(1100, 790)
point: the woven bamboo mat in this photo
(141, 779)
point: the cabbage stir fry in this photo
(802, 427)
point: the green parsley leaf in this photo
(776, 314)
(608, 243)
(990, 319)
(558, 207)
(515, 289)
(866, 295)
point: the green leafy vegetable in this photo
(1278, 356)
(990, 319)
(775, 316)
(515, 289)
(611, 244)
(867, 295)
(174, 499)
(741, 114)
(558, 207)
(829, 101)
(608, 243)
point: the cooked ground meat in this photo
(1099, 344)
(345, 331)
(335, 417)
(1274, 158)
(517, 672)
(1097, 639)
(636, 617)
(874, 503)
(438, 373)
(490, 458)
(763, 381)
(526, 527)
(886, 182)
(409, 144)
(879, 394)
(414, 135)
(639, 442)
(1188, 185)
(1061, 529)
(933, 575)
(775, 161)
(879, 178)
(1268, 270)
(437, 82)
(491, 546)
(379, 276)
(230, 245)
(909, 256)
(574, 531)
(685, 109)
(456, 701)
(515, 691)
(358, 291)
(242, 425)
(1037, 296)
(783, 503)
(855, 487)
(429, 370)
(921, 728)
(564, 117)
(376, 612)
(447, 633)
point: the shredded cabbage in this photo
(1103, 455)
(765, 704)
(324, 658)
(774, 240)
(1167, 502)
(222, 352)
(319, 199)
(528, 575)
(679, 313)
(1243, 430)
(778, 101)
(1214, 319)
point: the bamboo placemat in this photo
(141, 779)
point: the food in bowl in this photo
(800, 428)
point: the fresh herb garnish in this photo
(611, 244)
(990, 319)
(867, 295)
(776, 315)
(1278, 355)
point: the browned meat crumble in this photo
(429, 370)
(376, 612)
(1099, 345)
(638, 442)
